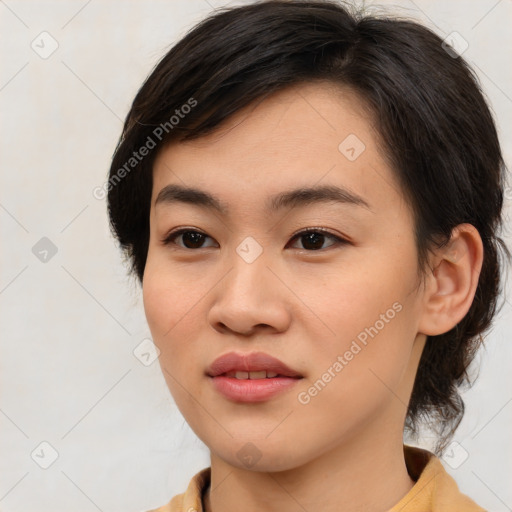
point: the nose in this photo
(250, 298)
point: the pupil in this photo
(314, 238)
(193, 237)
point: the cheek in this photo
(362, 297)
(158, 300)
(370, 315)
(175, 312)
(171, 322)
(169, 308)
(169, 296)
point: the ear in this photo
(451, 285)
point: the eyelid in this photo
(317, 229)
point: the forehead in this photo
(303, 136)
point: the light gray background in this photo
(70, 325)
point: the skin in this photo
(343, 450)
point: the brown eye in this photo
(314, 239)
(191, 239)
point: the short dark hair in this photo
(435, 126)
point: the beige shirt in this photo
(434, 491)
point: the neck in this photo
(351, 477)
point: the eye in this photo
(313, 239)
(191, 238)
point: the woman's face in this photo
(341, 306)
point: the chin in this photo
(260, 457)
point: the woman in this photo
(311, 201)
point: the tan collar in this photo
(435, 490)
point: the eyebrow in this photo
(295, 198)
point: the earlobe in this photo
(453, 281)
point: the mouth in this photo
(253, 377)
(252, 366)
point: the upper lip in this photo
(253, 362)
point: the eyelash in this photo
(168, 239)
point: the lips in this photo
(229, 364)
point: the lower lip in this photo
(252, 390)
